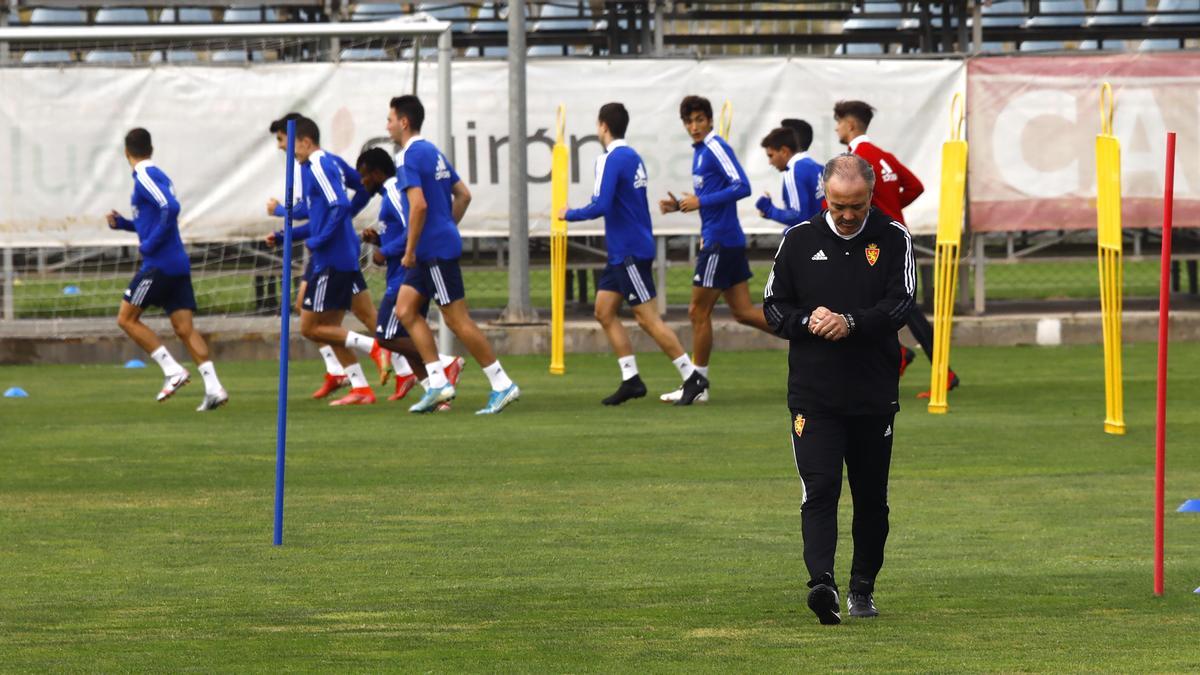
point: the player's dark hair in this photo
(802, 129)
(279, 126)
(137, 143)
(615, 117)
(859, 110)
(378, 159)
(306, 128)
(781, 138)
(691, 104)
(410, 107)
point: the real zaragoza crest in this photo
(872, 252)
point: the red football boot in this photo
(332, 384)
(404, 385)
(951, 384)
(360, 396)
(454, 370)
(383, 361)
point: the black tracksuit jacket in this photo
(871, 279)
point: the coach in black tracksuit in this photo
(841, 287)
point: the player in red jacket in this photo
(895, 188)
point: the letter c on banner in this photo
(1010, 126)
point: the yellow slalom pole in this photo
(725, 125)
(1108, 240)
(949, 240)
(558, 245)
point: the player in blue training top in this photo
(802, 192)
(619, 196)
(377, 168)
(721, 268)
(165, 276)
(360, 305)
(437, 201)
(334, 247)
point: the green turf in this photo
(564, 536)
(487, 287)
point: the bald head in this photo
(849, 182)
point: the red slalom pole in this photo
(1164, 306)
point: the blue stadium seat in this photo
(234, 56)
(47, 15)
(862, 17)
(1042, 46)
(185, 15)
(858, 48)
(377, 12)
(49, 56)
(364, 54)
(488, 23)
(1130, 18)
(445, 11)
(108, 57)
(249, 15)
(1108, 46)
(1058, 6)
(989, 13)
(1176, 6)
(564, 17)
(122, 15)
(1159, 45)
(175, 56)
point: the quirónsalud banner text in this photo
(61, 130)
(1033, 121)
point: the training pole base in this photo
(557, 370)
(938, 408)
(1114, 428)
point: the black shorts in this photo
(721, 267)
(389, 325)
(332, 290)
(152, 287)
(360, 284)
(633, 279)
(438, 279)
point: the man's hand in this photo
(112, 217)
(763, 204)
(689, 203)
(377, 258)
(370, 236)
(272, 204)
(409, 260)
(832, 327)
(670, 205)
(562, 213)
(269, 240)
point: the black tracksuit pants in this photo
(864, 444)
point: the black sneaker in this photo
(692, 388)
(861, 605)
(823, 601)
(629, 389)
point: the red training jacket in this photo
(895, 186)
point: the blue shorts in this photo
(332, 290)
(633, 279)
(438, 279)
(360, 283)
(389, 325)
(152, 287)
(720, 267)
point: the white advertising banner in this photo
(61, 130)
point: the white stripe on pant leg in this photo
(322, 284)
(803, 487)
(142, 289)
(439, 285)
(638, 286)
(391, 331)
(712, 270)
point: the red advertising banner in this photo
(1032, 125)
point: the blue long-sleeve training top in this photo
(300, 210)
(393, 229)
(156, 221)
(719, 182)
(619, 195)
(330, 233)
(802, 192)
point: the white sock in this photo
(684, 365)
(209, 372)
(447, 359)
(628, 367)
(359, 341)
(401, 365)
(357, 379)
(168, 364)
(496, 375)
(437, 375)
(424, 384)
(332, 365)
(703, 370)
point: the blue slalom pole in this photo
(285, 322)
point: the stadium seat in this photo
(185, 15)
(852, 48)
(234, 56)
(1057, 6)
(563, 17)
(862, 17)
(1176, 6)
(364, 54)
(446, 11)
(108, 57)
(49, 56)
(46, 15)
(122, 16)
(249, 15)
(989, 12)
(175, 56)
(1159, 45)
(1130, 18)
(376, 12)
(488, 23)
(1042, 46)
(1108, 46)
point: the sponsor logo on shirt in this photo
(442, 171)
(697, 181)
(639, 177)
(820, 255)
(889, 176)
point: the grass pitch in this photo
(565, 536)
